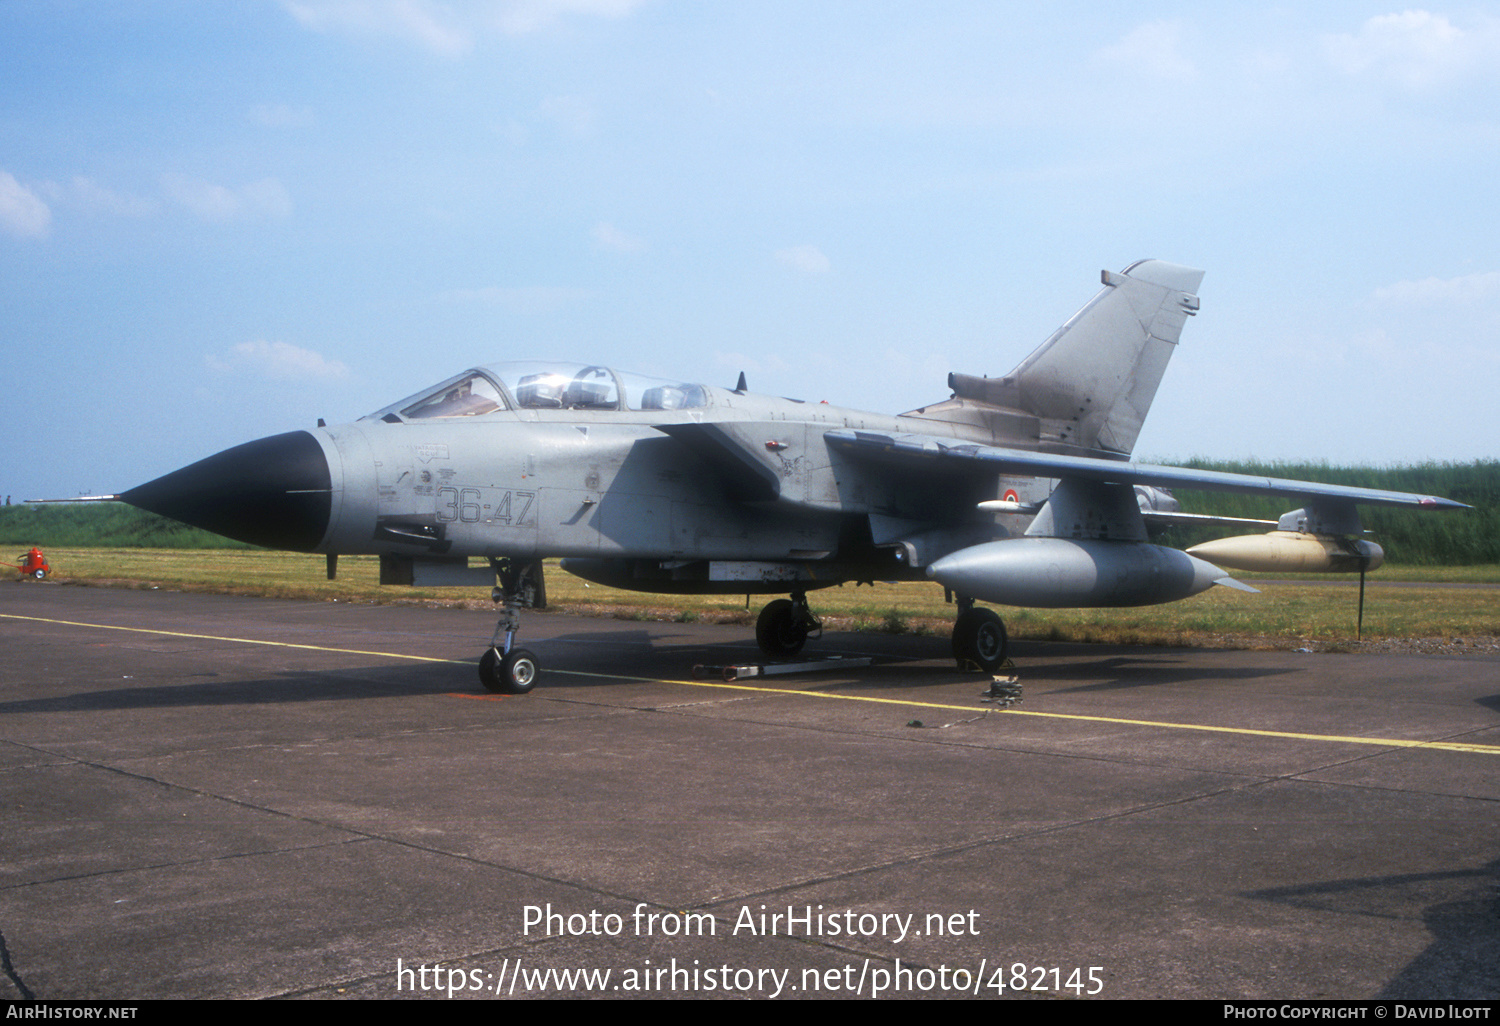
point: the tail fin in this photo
(1091, 384)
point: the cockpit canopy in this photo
(543, 386)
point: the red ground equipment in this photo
(33, 564)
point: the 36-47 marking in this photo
(466, 505)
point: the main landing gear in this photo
(979, 639)
(505, 669)
(783, 626)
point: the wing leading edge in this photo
(915, 451)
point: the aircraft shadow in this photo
(907, 661)
(284, 688)
(1122, 672)
(1462, 912)
(591, 659)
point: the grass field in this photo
(1321, 611)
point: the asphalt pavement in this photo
(216, 797)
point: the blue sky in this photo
(222, 221)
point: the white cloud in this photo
(266, 198)
(1415, 48)
(21, 211)
(1153, 50)
(607, 236)
(806, 258)
(1468, 288)
(448, 29)
(281, 361)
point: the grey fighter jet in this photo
(1016, 490)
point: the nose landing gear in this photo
(505, 669)
(510, 673)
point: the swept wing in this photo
(917, 452)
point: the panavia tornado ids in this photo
(1016, 490)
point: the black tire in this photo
(39, 574)
(778, 631)
(979, 639)
(489, 671)
(514, 673)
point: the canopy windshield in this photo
(544, 386)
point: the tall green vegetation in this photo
(102, 525)
(1409, 537)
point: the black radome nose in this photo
(275, 492)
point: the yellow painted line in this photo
(1452, 746)
(1383, 742)
(240, 641)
